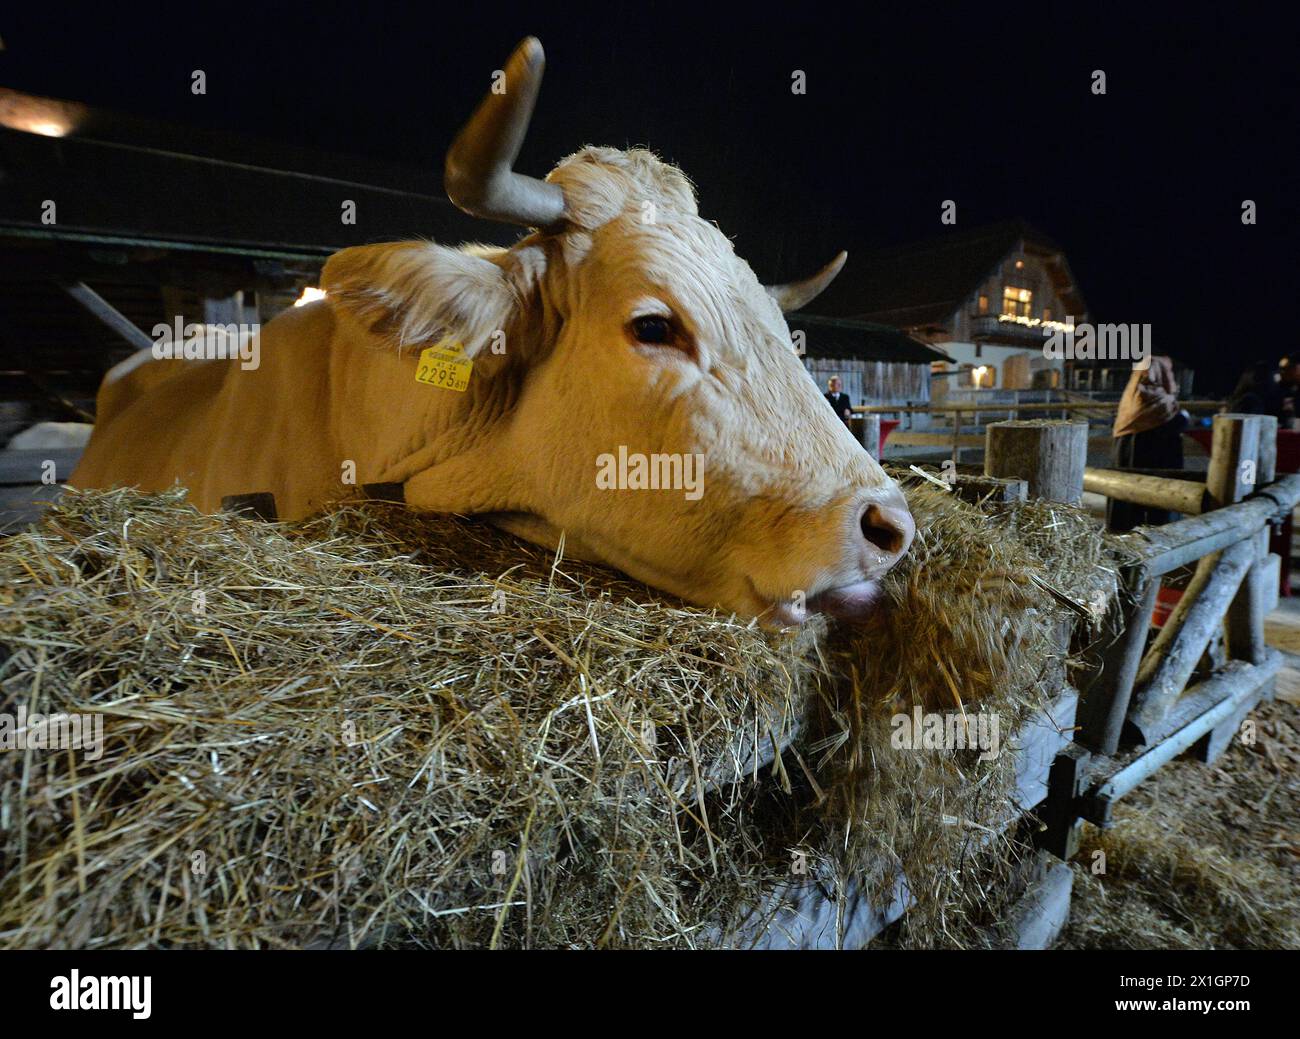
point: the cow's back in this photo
(214, 426)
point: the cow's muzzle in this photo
(887, 530)
(881, 533)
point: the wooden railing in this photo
(956, 439)
(937, 407)
(1136, 709)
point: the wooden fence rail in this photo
(997, 407)
(1141, 702)
(952, 436)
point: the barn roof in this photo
(125, 181)
(841, 338)
(924, 283)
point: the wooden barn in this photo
(877, 364)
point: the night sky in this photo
(991, 107)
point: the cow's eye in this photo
(656, 331)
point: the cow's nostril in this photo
(890, 530)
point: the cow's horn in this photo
(479, 174)
(796, 294)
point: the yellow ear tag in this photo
(445, 366)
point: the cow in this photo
(621, 324)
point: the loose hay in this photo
(976, 627)
(380, 728)
(1200, 858)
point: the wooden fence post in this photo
(1245, 636)
(871, 434)
(1049, 454)
(1234, 458)
(1266, 471)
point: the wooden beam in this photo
(1204, 706)
(1245, 619)
(1211, 746)
(910, 439)
(1159, 550)
(1169, 662)
(977, 489)
(1060, 813)
(1188, 475)
(939, 407)
(1104, 701)
(104, 311)
(1041, 913)
(1154, 492)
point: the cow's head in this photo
(638, 347)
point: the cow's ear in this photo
(416, 293)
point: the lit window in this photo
(984, 305)
(1017, 302)
(1047, 313)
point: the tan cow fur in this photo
(784, 479)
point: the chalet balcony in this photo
(1005, 331)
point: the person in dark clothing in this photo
(1258, 392)
(838, 399)
(1148, 434)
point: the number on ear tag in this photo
(445, 366)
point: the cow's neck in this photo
(395, 427)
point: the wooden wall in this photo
(874, 382)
